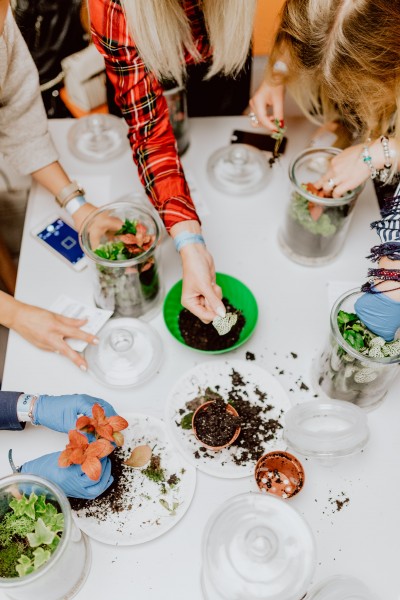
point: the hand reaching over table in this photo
(267, 96)
(61, 412)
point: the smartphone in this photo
(262, 141)
(62, 240)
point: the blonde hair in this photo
(161, 31)
(343, 59)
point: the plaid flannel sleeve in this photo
(139, 95)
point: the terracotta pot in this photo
(230, 410)
(279, 473)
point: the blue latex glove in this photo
(61, 412)
(71, 480)
(380, 314)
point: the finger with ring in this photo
(253, 118)
(331, 183)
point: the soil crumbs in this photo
(197, 334)
(214, 425)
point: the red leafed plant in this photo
(80, 451)
(101, 426)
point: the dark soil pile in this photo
(114, 497)
(214, 425)
(197, 334)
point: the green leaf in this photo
(344, 317)
(186, 421)
(127, 227)
(350, 337)
(358, 341)
(41, 506)
(25, 565)
(53, 519)
(24, 506)
(41, 535)
(41, 557)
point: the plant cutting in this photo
(126, 273)
(30, 531)
(87, 454)
(357, 365)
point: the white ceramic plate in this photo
(144, 517)
(214, 374)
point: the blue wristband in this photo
(186, 237)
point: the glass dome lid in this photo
(98, 137)
(238, 169)
(324, 429)
(129, 352)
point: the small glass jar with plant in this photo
(356, 365)
(315, 224)
(121, 241)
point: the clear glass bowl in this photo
(238, 169)
(326, 429)
(128, 286)
(315, 228)
(98, 138)
(65, 572)
(257, 547)
(343, 373)
(340, 587)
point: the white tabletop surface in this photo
(363, 538)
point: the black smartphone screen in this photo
(262, 141)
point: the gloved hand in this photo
(61, 412)
(71, 480)
(380, 314)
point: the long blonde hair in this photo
(343, 59)
(161, 30)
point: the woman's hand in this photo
(268, 96)
(48, 331)
(200, 293)
(347, 170)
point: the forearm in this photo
(52, 177)
(9, 307)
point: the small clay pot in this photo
(229, 409)
(279, 473)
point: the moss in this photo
(9, 556)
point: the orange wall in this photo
(265, 25)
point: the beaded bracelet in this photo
(367, 159)
(387, 165)
(186, 237)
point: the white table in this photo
(363, 538)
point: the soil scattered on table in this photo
(214, 425)
(197, 334)
(250, 356)
(340, 502)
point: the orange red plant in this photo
(79, 451)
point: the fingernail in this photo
(221, 312)
(95, 341)
(83, 367)
(281, 123)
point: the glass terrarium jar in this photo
(177, 107)
(256, 546)
(121, 239)
(49, 570)
(345, 373)
(98, 138)
(314, 229)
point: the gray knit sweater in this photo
(24, 138)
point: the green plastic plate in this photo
(234, 290)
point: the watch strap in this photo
(25, 405)
(71, 190)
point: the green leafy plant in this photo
(29, 534)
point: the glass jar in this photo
(66, 570)
(177, 108)
(124, 264)
(343, 373)
(98, 138)
(340, 587)
(256, 546)
(314, 228)
(238, 170)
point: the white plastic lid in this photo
(129, 352)
(98, 137)
(238, 169)
(340, 587)
(326, 428)
(257, 547)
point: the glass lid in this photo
(238, 169)
(340, 587)
(326, 428)
(128, 353)
(257, 547)
(98, 137)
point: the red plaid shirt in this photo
(139, 95)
